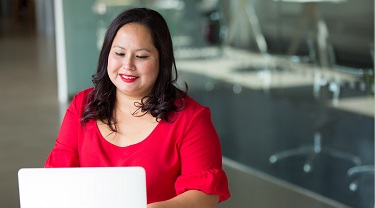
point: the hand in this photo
(189, 199)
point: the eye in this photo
(120, 54)
(142, 57)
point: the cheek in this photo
(112, 65)
(109, 64)
(153, 71)
(153, 68)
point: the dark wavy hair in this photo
(166, 97)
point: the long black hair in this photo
(166, 97)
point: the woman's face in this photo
(133, 61)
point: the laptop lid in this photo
(113, 187)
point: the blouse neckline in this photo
(105, 141)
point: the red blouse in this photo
(179, 156)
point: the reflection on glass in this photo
(234, 56)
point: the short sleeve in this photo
(210, 181)
(65, 151)
(201, 158)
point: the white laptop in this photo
(111, 187)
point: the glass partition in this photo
(289, 83)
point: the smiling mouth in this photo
(128, 77)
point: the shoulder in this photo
(191, 104)
(84, 93)
(80, 101)
(192, 107)
(81, 97)
(195, 123)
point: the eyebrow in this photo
(140, 49)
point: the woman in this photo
(136, 116)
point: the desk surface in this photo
(366, 104)
(246, 69)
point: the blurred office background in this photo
(290, 84)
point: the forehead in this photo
(134, 31)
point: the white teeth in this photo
(128, 77)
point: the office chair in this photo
(271, 62)
(333, 85)
(354, 172)
(322, 123)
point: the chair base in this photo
(312, 151)
(354, 171)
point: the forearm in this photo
(189, 199)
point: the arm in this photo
(65, 152)
(202, 183)
(188, 199)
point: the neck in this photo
(127, 105)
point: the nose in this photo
(128, 64)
